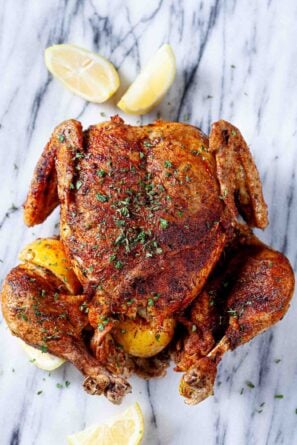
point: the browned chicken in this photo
(152, 222)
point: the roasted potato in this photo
(143, 339)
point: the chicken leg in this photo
(37, 309)
(251, 294)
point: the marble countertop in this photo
(236, 60)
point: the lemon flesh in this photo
(142, 339)
(49, 253)
(85, 73)
(151, 84)
(42, 360)
(124, 429)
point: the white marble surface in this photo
(237, 60)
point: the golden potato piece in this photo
(143, 339)
(50, 254)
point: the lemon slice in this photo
(86, 74)
(49, 253)
(124, 429)
(151, 84)
(42, 360)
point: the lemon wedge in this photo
(49, 253)
(124, 429)
(151, 84)
(42, 360)
(85, 73)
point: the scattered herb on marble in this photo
(249, 384)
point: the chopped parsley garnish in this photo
(124, 211)
(147, 144)
(61, 138)
(78, 184)
(101, 173)
(168, 164)
(120, 222)
(118, 264)
(249, 384)
(43, 348)
(163, 223)
(101, 198)
(150, 302)
(59, 385)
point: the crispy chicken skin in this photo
(37, 309)
(237, 174)
(134, 201)
(153, 220)
(246, 294)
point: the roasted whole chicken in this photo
(156, 223)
